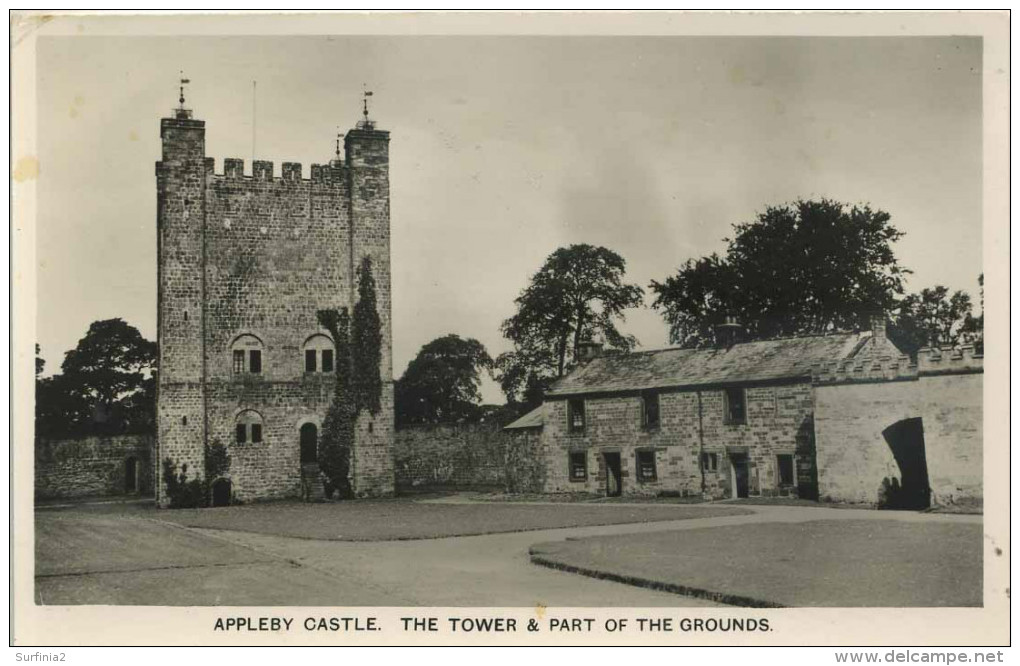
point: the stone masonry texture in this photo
(245, 263)
(93, 466)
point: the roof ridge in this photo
(829, 334)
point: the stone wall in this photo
(853, 457)
(463, 456)
(93, 466)
(778, 422)
(855, 405)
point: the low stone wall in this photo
(94, 466)
(471, 455)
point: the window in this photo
(650, 409)
(318, 353)
(646, 465)
(246, 352)
(709, 462)
(736, 407)
(784, 462)
(248, 427)
(578, 466)
(575, 415)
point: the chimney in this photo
(729, 332)
(878, 326)
(587, 350)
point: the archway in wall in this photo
(309, 444)
(131, 475)
(906, 441)
(221, 492)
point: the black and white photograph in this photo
(350, 313)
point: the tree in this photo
(107, 385)
(441, 384)
(366, 343)
(577, 293)
(40, 363)
(931, 317)
(802, 268)
(973, 328)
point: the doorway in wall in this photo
(309, 444)
(738, 474)
(614, 474)
(221, 492)
(131, 475)
(906, 441)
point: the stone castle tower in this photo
(245, 263)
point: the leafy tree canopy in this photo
(578, 293)
(934, 316)
(801, 268)
(441, 384)
(107, 385)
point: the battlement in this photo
(949, 360)
(233, 168)
(865, 370)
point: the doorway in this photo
(614, 475)
(309, 444)
(221, 492)
(738, 463)
(131, 475)
(906, 440)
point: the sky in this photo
(505, 148)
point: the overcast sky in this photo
(505, 148)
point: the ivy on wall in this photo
(366, 343)
(358, 386)
(337, 437)
(194, 493)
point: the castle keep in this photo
(245, 263)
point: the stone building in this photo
(245, 263)
(842, 417)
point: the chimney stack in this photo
(729, 332)
(587, 350)
(878, 325)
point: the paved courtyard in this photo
(399, 552)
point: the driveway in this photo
(133, 557)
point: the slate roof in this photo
(762, 360)
(533, 419)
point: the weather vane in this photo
(368, 93)
(183, 81)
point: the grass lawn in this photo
(817, 563)
(388, 520)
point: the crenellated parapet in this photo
(866, 370)
(950, 360)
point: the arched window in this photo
(248, 427)
(318, 353)
(247, 355)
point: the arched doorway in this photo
(221, 492)
(131, 475)
(906, 440)
(309, 443)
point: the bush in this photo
(183, 494)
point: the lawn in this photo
(388, 520)
(817, 563)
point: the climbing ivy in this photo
(366, 343)
(337, 438)
(358, 384)
(194, 493)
